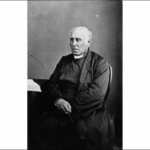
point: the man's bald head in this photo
(83, 30)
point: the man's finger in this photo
(63, 108)
(69, 107)
(66, 108)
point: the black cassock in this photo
(83, 83)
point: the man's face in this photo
(78, 42)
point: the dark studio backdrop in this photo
(49, 23)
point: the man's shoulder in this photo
(69, 56)
(98, 60)
(94, 54)
(97, 57)
(65, 58)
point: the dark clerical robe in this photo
(83, 83)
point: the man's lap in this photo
(57, 127)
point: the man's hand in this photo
(63, 105)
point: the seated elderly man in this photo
(77, 88)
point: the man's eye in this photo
(78, 40)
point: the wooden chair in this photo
(111, 119)
(109, 83)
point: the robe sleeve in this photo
(53, 89)
(93, 96)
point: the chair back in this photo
(109, 83)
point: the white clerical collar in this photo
(78, 57)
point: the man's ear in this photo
(89, 42)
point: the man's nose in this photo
(74, 42)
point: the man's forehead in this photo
(78, 32)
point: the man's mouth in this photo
(75, 49)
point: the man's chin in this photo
(76, 53)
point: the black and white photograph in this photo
(75, 75)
